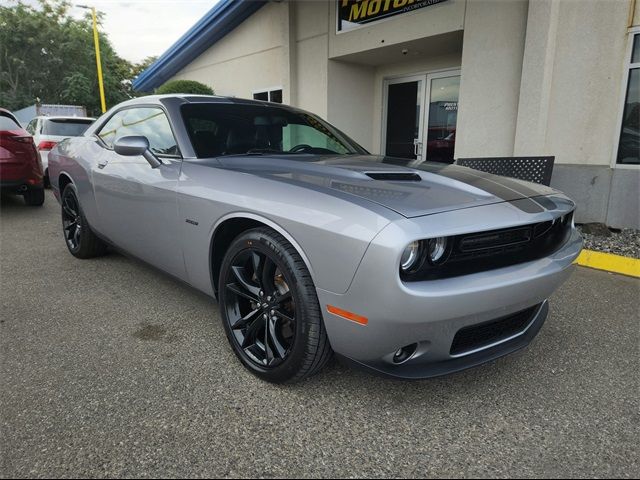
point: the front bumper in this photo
(416, 370)
(431, 313)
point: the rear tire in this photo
(47, 182)
(34, 197)
(274, 323)
(80, 239)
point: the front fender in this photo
(330, 233)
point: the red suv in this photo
(20, 165)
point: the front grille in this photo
(473, 243)
(483, 251)
(482, 335)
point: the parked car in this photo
(20, 167)
(48, 131)
(310, 244)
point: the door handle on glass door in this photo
(417, 147)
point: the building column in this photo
(537, 72)
(289, 57)
(493, 45)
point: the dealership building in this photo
(444, 79)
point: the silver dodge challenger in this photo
(311, 245)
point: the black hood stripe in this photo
(507, 190)
(527, 205)
(478, 181)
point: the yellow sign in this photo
(352, 13)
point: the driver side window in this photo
(111, 130)
(148, 122)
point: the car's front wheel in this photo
(270, 310)
(80, 239)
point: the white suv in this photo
(48, 131)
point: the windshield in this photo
(65, 127)
(223, 129)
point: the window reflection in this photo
(443, 115)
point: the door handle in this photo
(102, 164)
(417, 147)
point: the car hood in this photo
(411, 188)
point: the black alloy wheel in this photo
(71, 220)
(270, 309)
(80, 239)
(260, 308)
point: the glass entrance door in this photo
(404, 117)
(442, 117)
(414, 132)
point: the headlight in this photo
(411, 256)
(437, 250)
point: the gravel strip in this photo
(623, 242)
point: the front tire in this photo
(270, 309)
(80, 239)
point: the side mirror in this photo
(134, 146)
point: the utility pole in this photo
(96, 40)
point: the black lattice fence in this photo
(531, 169)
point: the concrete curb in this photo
(610, 263)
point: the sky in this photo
(142, 28)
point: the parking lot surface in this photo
(110, 368)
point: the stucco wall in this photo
(247, 59)
(572, 73)
(349, 107)
(493, 45)
(312, 28)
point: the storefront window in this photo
(629, 146)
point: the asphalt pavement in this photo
(108, 368)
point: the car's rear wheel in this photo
(80, 239)
(34, 197)
(270, 310)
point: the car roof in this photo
(194, 98)
(63, 117)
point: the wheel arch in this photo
(229, 227)
(64, 179)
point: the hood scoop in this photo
(394, 176)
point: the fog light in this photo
(405, 353)
(437, 250)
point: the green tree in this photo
(47, 54)
(140, 67)
(185, 86)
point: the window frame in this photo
(102, 143)
(268, 91)
(628, 66)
